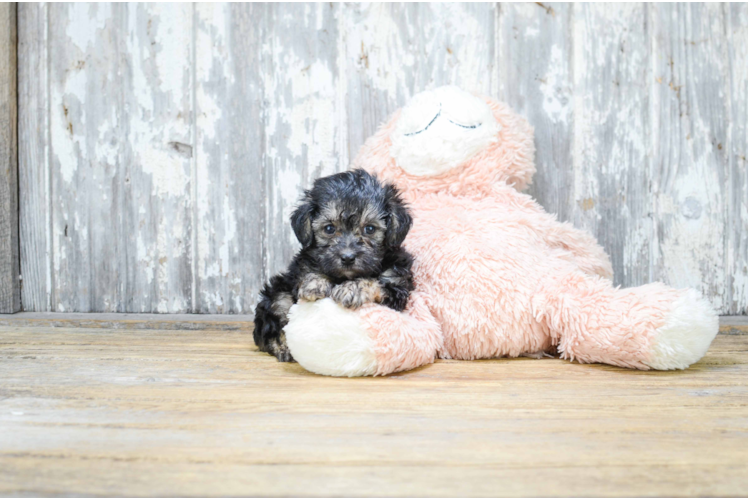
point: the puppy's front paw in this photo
(284, 356)
(353, 294)
(279, 349)
(314, 287)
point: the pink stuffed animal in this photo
(495, 275)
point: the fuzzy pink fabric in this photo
(496, 275)
(403, 341)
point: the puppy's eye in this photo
(369, 229)
(329, 229)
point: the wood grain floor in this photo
(138, 412)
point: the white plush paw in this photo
(686, 335)
(330, 340)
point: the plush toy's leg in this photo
(373, 340)
(650, 326)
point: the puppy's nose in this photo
(348, 257)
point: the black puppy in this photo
(350, 227)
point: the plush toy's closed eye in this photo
(438, 115)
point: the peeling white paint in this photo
(175, 43)
(69, 120)
(145, 259)
(216, 226)
(307, 119)
(289, 187)
(556, 97)
(214, 298)
(229, 232)
(210, 115)
(377, 48)
(88, 19)
(168, 171)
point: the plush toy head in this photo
(449, 139)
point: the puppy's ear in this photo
(301, 222)
(399, 220)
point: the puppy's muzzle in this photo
(348, 251)
(347, 257)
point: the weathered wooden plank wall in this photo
(164, 145)
(10, 289)
(737, 204)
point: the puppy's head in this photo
(347, 222)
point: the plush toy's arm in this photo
(406, 340)
(373, 340)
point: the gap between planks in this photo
(120, 321)
(728, 325)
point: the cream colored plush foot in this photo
(328, 339)
(686, 335)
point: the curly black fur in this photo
(350, 227)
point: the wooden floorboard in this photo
(130, 321)
(169, 412)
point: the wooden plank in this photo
(535, 74)
(121, 142)
(155, 107)
(63, 476)
(180, 413)
(10, 286)
(230, 146)
(733, 325)
(86, 142)
(611, 148)
(690, 132)
(737, 218)
(299, 73)
(35, 210)
(393, 51)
